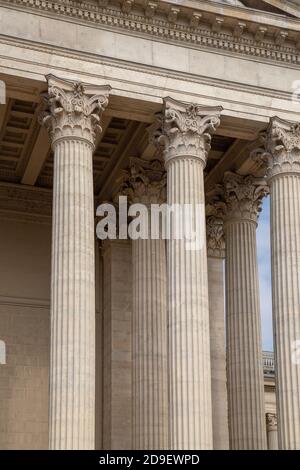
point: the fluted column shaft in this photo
(285, 242)
(72, 384)
(150, 393)
(272, 439)
(216, 290)
(244, 352)
(71, 119)
(145, 183)
(281, 156)
(183, 130)
(244, 358)
(218, 352)
(189, 341)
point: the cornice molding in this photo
(186, 25)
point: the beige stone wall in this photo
(25, 254)
(270, 396)
(24, 326)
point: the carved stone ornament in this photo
(271, 419)
(243, 196)
(215, 212)
(73, 109)
(184, 130)
(215, 237)
(144, 182)
(280, 150)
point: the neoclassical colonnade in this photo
(179, 368)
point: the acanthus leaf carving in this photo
(271, 419)
(215, 237)
(243, 196)
(73, 109)
(144, 182)
(185, 129)
(280, 148)
(215, 213)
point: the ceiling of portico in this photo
(26, 160)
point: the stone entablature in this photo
(204, 26)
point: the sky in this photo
(264, 267)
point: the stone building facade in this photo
(121, 344)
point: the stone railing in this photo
(268, 364)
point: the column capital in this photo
(73, 109)
(215, 237)
(243, 196)
(280, 150)
(183, 130)
(215, 212)
(271, 420)
(144, 182)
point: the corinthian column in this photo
(281, 155)
(72, 118)
(145, 184)
(243, 196)
(216, 255)
(184, 132)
